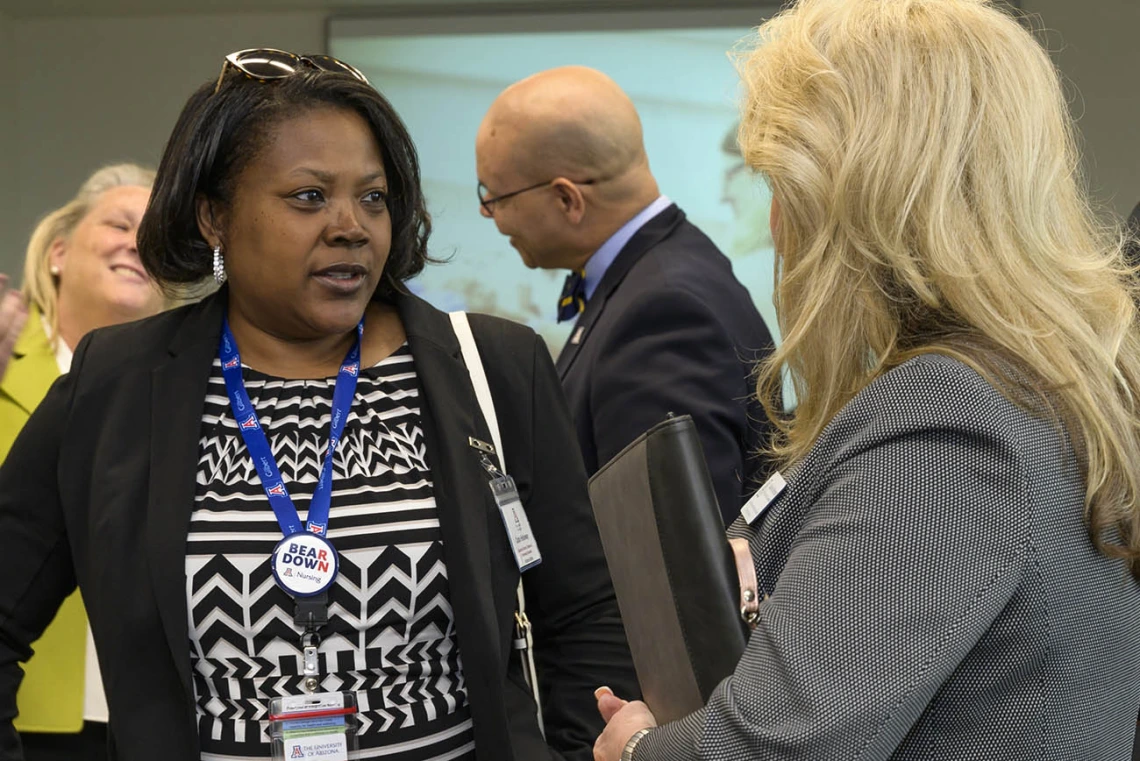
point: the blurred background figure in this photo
(748, 196)
(750, 248)
(82, 272)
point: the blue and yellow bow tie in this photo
(573, 299)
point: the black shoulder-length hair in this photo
(217, 135)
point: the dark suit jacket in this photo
(670, 329)
(99, 489)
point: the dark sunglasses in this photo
(486, 199)
(267, 64)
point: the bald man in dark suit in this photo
(661, 324)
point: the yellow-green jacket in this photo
(51, 696)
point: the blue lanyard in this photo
(258, 446)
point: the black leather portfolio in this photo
(672, 568)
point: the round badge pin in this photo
(304, 564)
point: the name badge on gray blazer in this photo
(762, 499)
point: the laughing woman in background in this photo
(82, 272)
(950, 572)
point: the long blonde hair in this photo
(40, 287)
(931, 202)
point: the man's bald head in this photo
(572, 121)
(562, 165)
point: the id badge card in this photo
(522, 540)
(320, 727)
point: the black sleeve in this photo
(669, 353)
(38, 569)
(580, 642)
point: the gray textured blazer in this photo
(933, 595)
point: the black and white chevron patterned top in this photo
(391, 633)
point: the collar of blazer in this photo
(32, 368)
(203, 324)
(652, 233)
(481, 590)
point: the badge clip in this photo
(489, 466)
(482, 446)
(311, 661)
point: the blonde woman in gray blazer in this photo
(950, 571)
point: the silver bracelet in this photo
(627, 751)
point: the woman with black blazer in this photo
(177, 474)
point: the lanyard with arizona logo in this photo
(304, 562)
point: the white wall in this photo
(112, 95)
(1096, 44)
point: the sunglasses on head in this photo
(267, 64)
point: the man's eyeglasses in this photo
(486, 200)
(267, 64)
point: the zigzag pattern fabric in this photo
(391, 632)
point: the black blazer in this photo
(670, 329)
(99, 488)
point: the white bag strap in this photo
(525, 642)
(474, 364)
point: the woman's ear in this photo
(208, 223)
(56, 255)
(774, 216)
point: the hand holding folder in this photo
(673, 570)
